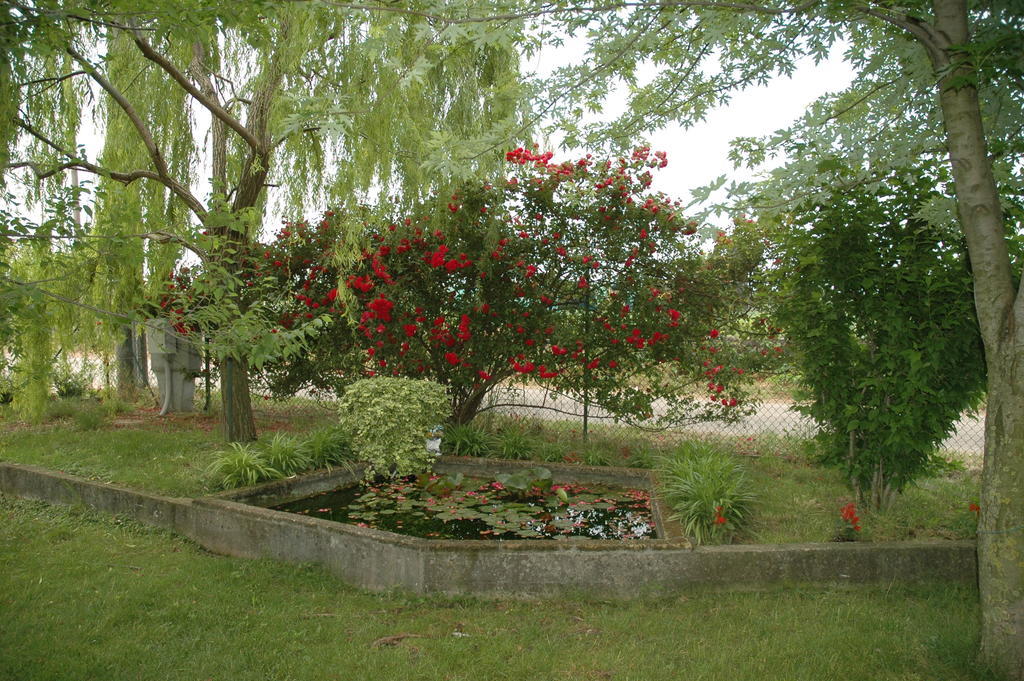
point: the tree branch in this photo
(578, 9)
(122, 177)
(163, 237)
(70, 301)
(854, 105)
(140, 127)
(35, 11)
(159, 236)
(256, 167)
(38, 170)
(310, 128)
(201, 72)
(54, 79)
(284, 138)
(924, 33)
(211, 105)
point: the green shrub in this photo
(89, 418)
(328, 446)
(70, 382)
(875, 302)
(286, 454)
(467, 440)
(62, 409)
(389, 419)
(240, 466)
(708, 491)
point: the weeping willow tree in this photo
(208, 113)
(43, 249)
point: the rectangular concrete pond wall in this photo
(380, 560)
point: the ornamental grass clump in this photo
(286, 454)
(389, 419)
(327, 447)
(708, 491)
(513, 442)
(241, 466)
(466, 439)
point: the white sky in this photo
(699, 155)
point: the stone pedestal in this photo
(175, 362)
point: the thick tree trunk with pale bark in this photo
(1001, 317)
(1001, 527)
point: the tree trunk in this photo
(141, 357)
(1001, 526)
(239, 424)
(131, 363)
(465, 410)
(1001, 318)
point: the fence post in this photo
(206, 373)
(230, 427)
(586, 367)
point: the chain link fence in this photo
(574, 417)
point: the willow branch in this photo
(201, 72)
(38, 170)
(70, 301)
(35, 11)
(580, 82)
(210, 104)
(53, 79)
(140, 127)
(580, 9)
(159, 236)
(256, 167)
(123, 177)
(162, 237)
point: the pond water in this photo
(441, 507)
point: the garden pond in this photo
(521, 505)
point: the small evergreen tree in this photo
(877, 304)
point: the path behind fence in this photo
(775, 416)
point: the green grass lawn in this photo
(138, 448)
(797, 500)
(85, 596)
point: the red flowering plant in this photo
(573, 276)
(235, 306)
(849, 524)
